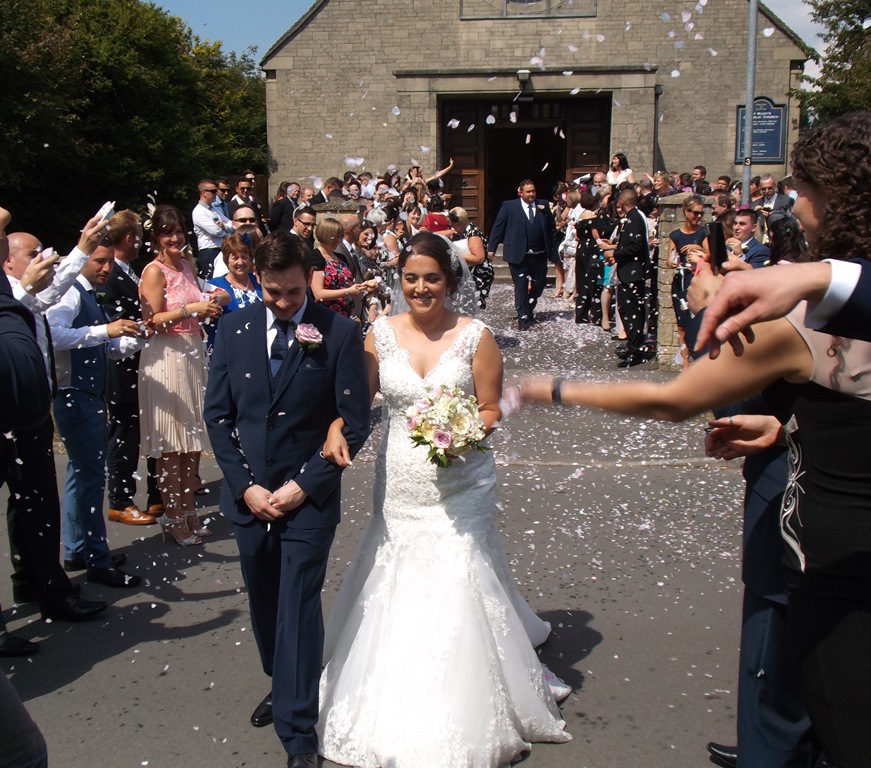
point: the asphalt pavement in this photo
(619, 531)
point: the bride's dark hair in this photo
(436, 247)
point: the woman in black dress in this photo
(687, 246)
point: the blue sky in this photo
(240, 24)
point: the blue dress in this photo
(239, 297)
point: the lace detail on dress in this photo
(429, 646)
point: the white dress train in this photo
(429, 647)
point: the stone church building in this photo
(545, 89)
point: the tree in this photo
(116, 99)
(844, 84)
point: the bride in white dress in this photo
(429, 651)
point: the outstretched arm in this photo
(746, 298)
(442, 172)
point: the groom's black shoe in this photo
(302, 761)
(724, 756)
(262, 715)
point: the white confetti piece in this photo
(768, 31)
(396, 110)
(491, 119)
(665, 16)
(453, 123)
(572, 48)
(470, 128)
(686, 16)
(675, 73)
(712, 52)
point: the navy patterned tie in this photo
(278, 350)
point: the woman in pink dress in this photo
(172, 372)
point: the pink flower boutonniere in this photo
(540, 207)
(308, 336)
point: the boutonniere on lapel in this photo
(308, 336)
(540, 207)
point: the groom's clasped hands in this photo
(273, 505)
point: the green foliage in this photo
(844, 84)
(113, 99)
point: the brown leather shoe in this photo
(132, 515)
(156, 510)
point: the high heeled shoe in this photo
(193, 523)
(177, 528)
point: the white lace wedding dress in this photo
(429, 647)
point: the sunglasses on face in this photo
(245, 221)
(210, 191)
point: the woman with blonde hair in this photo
(333, 279)
(172, 373)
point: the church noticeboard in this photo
(769, 132)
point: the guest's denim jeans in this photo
(81, 421)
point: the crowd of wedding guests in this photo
(169, 278)
(125, 324)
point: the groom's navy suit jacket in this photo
(268, 432)
(510, 231)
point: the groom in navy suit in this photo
(525, 228)
(274, 389)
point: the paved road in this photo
(619, 532)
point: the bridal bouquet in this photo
(448, 423)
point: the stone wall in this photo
(332, 88)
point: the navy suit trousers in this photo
(284, 571)
(773, 723)
(534, 268)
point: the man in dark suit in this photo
(33, 511)
(330, 185)
(744, 243)
(25, 405)
(631, 254)
(271, 398)
(348, 251)
(304, 220)
(769, 202)
(771, 199)
(526, 230)
(121, 300)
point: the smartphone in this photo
(717, 246)
(107, 210)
